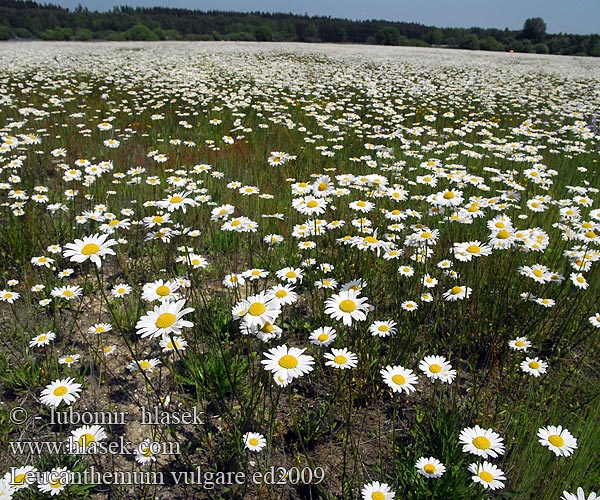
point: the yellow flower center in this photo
(429, 468)
(448, 195)
(481, 443)
(165, 320)
(121, 290)
(500, 225)
(396, 212)
(147, 452)
(473, 249)
(383, 328)
(519, 343)
(360, 203)
(114, 222)
(267, 328)
(534, 365)
(340, 360)
(280, 294)
(86, 439)
(347, 305)
(426, 234)
(163, 290)
(257, 309)
(157, 219)
(176, 199)
(69, 359)
(61, 390)
(580, 279)
(145, 364)
(253, 441)
(537, 273)
(486, 476)
(456, 290)
(435, 368)
(504, 234)
(90, 249)
(19, 479)
(399, 379)
(322, 337)
(371, 239)
(377, 496)
(236, 223)
(312, 204)
(42, 338)
(290, 274)
(288, 361)
(556, 440)
(55, 483)
(590, 234)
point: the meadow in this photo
(368, 271)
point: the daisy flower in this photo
(62, 390)
(488, 475)
(19, 478)
(68, 292)
(520, 344)
(595, 320)
(347, 306)
(160, 290)
(341, 358)
(290, 274)
(99, 328)
(579, 496)
(430, 467)
(145, 452)
(383, 328)
(377, 491)
(90, 247)
(287, 363)
(559, 440)
(69, 359)
(81, 439)
(145, 365)
(177, 201)
(164, 319)
(457, 293)
(437, 368)
(481, 442)
(254, 441)
(233, 280)
(120, 290)
(534, 366)
(258, 309)
(409, 305)
(8, 296)
(171, 343)
(54, 481)
(399, 378)
(322, 336)
(42, 339)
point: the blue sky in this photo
(568, 16)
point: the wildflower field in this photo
(287, 271)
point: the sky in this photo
(567, 16)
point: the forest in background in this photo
(32, 20)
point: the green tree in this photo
(388, 36)
(142, 32)
(534, 29)
(263, 33)
(83, 35)
(470, 42)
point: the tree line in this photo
(25, 19)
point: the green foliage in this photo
(388, 36)
(83, 35)
(25, 19)
(534, 29)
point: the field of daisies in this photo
(373, 271)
